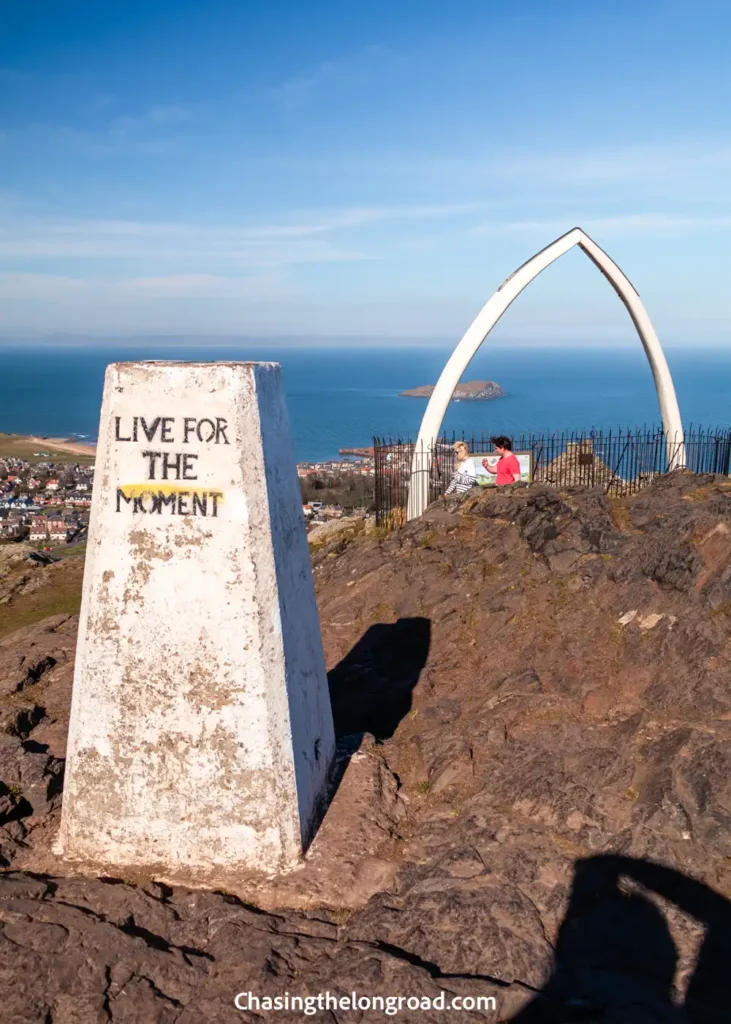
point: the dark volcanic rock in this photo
(36, 665)
(544, 816)
(80, 950)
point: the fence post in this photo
(378, 480)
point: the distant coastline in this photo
(340, 399)
(468, 391)
(34, 445)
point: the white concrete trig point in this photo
(201, 733)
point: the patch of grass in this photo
(552, 715)
(620, 515)
(381, 532)
(352, 532)
(26, 613)
(382, 612)
(340, 915)
(573, 849)
(700, 494)
(73, 551)
(467, 527)
(61, 596)
(392, 521)
(423, 787)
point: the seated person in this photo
(466, 476)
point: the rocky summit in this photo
(532, 797)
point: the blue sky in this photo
(317, 168)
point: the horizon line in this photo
(323, 341)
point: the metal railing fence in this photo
(620, 462)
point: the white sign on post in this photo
(201, 733)
(487, 479)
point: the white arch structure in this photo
(486, 319)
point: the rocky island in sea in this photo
(471, 390)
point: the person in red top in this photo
(507, 469)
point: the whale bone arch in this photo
(486, 319)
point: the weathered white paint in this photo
(486, 319)
(201, 732)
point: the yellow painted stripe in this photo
(151, 490)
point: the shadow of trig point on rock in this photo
(201, 733)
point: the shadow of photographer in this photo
(615, 959)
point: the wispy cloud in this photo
(683, 169)
(329, 236)
(102, 101)
(196, 245)
(177, 284)
(293, 93)
(619, 164)
(301, 240)
(154, 118)
(359, 66)
(39, 286)
(649, 224)
(360, 215)
(184, 303)
(262, 286)
(153, 129)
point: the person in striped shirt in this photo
(466, 476)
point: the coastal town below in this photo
(46, 488)
(45, 502)
(338, 488)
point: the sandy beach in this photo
(59, 444)
(31, 448)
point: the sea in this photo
(340, 396)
